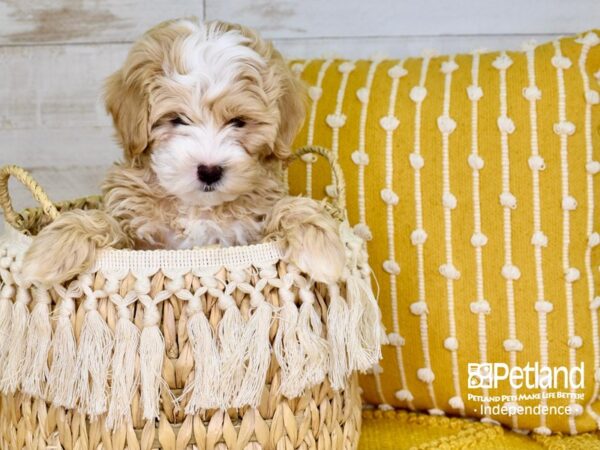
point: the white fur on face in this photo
(193, 95)
(213, 67)
(212, 63)
(175, 162)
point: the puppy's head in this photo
(207, 107)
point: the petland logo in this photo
(488, 376)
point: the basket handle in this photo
(12, 217)
(339, 202)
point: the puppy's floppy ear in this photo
(292, 109)
(126, 91)
(128, 105)
(127, 95)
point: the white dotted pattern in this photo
(508, 201)
(446, 126)
(390, 200)
(419, 235)
(587, 42)
(337, 119)
(480, 307)
(562, 128)
(362, 158)
(314, 92)
(539, 240)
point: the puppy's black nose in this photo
(209, 174)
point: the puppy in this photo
(206, 115)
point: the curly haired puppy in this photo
(206, 114)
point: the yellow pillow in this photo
(474, 178)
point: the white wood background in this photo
(55, 54)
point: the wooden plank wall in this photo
(55, 54)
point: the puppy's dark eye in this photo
(237, 122)
(178, 121)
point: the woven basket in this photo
(209, 348)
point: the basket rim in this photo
(110, 260)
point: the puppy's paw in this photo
(54, 258)
(318, 253)
(39, 268)
(311, 236)
(68, 246)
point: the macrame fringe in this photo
(286, 345)
(38, 345)
(93, 360)
(6, 305)
(205, 386)
(337, 332)
(17, 341)
(365, 332)
(315, 351)
(124, 378)
(61, 380)
(231, 330)
(364, 340)
(230, 364)
(152, 352)
(152, 348)
(257, 357)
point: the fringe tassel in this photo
(124, 378)
(205, 386)
(258, 355)
(38, 345)
(337, 323)
(152, 352)
(354, 345)
(364, 328)
(286, 345)
(93, 359)
(365, 324)
(7, 294)
(314, 348)
(363, 339)
(230, 331)
(61, 380)
(17, 340)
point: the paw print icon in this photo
(480, 376)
